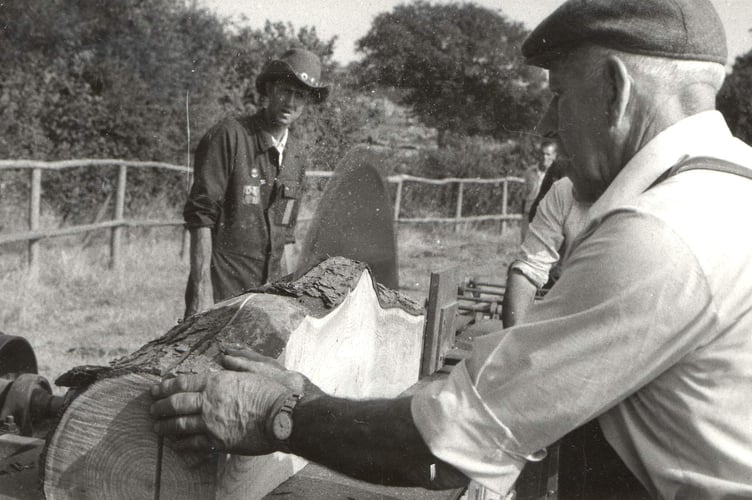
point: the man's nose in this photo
(293, 99)
(548, 126)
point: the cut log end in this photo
(103, 446)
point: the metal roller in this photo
(25, 396)
(16, 356)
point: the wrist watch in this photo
(280, 424)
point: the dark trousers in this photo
(581, 466)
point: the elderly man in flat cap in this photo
(649, 328)
(243, 204)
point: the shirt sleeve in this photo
(211, 173)
(540, 250)
(529, 176)
(621, 314)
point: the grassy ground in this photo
(78, 311)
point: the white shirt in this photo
(279, 145)
(649, 329)
(533, 179)
(558, 220)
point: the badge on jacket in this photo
(251, 194)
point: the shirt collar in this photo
(269, 141)
(697, 135)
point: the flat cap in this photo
(676, 29)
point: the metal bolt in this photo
(9, 425)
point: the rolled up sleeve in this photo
(540, 250)
(212, 169)
(462, 430)
(617, 318)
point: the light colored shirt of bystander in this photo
(558, 220)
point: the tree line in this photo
(134, 79)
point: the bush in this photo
(468, 158)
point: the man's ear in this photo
(619, 89)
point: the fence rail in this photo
(116, 225)
(90, 162)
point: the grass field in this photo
(78, 311)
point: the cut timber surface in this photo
(348, 335)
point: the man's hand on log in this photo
(245, 360)
(228, 410)
(222, 410)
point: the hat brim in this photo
(283, 71)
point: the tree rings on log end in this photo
(104, 448)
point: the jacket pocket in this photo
(287, 204)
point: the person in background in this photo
(248, 173)
(647, 330)
(556, 171)
(559, 218)
(534, 176)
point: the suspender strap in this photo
(704, 163)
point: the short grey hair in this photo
(682, 78)
(676, 73)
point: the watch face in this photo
(282, 426)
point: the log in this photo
(349, 335)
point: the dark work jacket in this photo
(250, 205)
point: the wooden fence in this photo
(458, 218)
(116, 225)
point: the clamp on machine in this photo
(27, 405)
(26, 398)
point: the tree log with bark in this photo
(350, 336)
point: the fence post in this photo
(504, 201)
(398, 201)
(34, 209)
(117, 230)
(185, 245)
(458, 213)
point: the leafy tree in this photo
(459, 66)
(87, 79)
(735, 100)
(83, 78)
(114, 77)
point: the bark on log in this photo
(349, 335)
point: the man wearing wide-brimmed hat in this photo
(243, 204)
(648, 330)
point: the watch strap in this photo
(284, 404)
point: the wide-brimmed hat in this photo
(298, 65)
